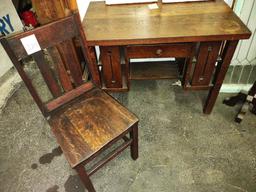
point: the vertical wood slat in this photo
(23, 75)
(61, 69)
(111, 66)
(53, 85)
(208, 53)
(89, 53)
(69, 57)
(187, 71)
(220, 73)
(127, 68)
(47, 73)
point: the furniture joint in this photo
(194, 60)
(219, 58)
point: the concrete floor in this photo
(181, 149)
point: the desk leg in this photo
(220, 73)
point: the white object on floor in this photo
(177, 83)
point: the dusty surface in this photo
(181, 150)
(9, 83)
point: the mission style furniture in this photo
(202, 36)
(84, 119)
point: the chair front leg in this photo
(85, 178)
(134, 144)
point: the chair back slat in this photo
(47, 35)
(63, 75)
(52, 105)
(71, 61)
(57, 63)
(47, 73)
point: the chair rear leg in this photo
(134, 144)
(85, 178)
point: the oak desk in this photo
(198, 34)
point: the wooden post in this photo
(220, 73)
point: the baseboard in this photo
(235, 88)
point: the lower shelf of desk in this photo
(154, 70)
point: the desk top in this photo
(178, 22)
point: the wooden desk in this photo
(199, 34)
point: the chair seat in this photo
(86, 125)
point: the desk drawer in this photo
(155, 51)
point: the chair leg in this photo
(85, 178)
(134, 144)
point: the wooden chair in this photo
(84, 119)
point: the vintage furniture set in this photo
(84, 119)
(199, 34)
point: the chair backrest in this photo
(57, 62)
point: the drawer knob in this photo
(159, 52)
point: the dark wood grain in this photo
(47, 73)
(66, 63)
(54, 104)
(111, 64)
(70, 58)
(93, 121)
(89, 52)
(46, 35)
(61, 69)
(134, 145)
(85, 178)
(84, 119)
(187, 70)
(208, 53)
(179, 22)
(143, 31)
(158, 51)
(221, 70)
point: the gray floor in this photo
(181, 149)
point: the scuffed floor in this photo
(181, 149)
